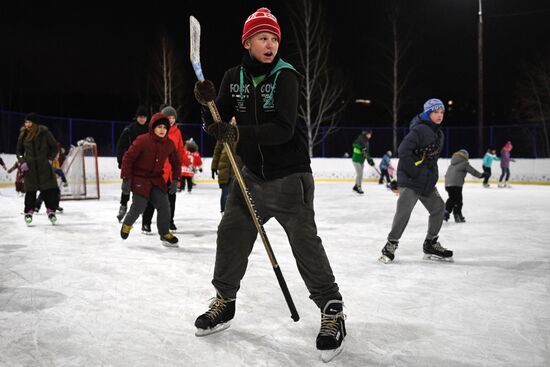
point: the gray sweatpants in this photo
(159, 199)
(358, 173)
(290, 201)
(405, 205)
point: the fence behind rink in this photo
(528, 139)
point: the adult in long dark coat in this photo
(36, 149)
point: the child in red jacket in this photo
(188, 172)
(142, 171)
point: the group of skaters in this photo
(417, 175)
(276, 169)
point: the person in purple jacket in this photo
(505, 159)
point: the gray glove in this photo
(126, 186)
(173, 187)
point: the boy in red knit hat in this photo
(263, 95)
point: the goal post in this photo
(82, 173)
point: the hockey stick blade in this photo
(195, 53)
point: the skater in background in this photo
(384, 165)
(505, 159)
(361, 152)
(142, 171)
(417, 175)
(277, 171)
(36, 148)
(19, 178)
(488, 158)
(222, 167)
(3, 164)
(174, 134)
(454, 181)
(127, 137)
(188, 172)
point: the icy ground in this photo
(75, 294)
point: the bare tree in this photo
(397, 80)
(321, 91)
(165, 78)
(534, 101)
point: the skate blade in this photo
(147, 233)
(215, 329)
(329, 355)
(168, 244)
(384, 259)
(438, 258)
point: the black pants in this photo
(226, 188)
(505, 174)
(486, 170)
(384, 174)
(189, 181)
(290, 201)
(40, 199)
(51, 198)
(150, 209)
(454, 202)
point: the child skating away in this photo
(360, 153)
(454, 181)
(188, 172)
(222, 167)
(505, 159)
(36, 148)
(488, 158)
(384, 165)
(263, 95)
(417, 174)
(142, 169)
(19, 178)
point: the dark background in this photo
(94, 60)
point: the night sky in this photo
(73, 59)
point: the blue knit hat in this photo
(430, 106)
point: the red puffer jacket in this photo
(174, 134)
(144, 161)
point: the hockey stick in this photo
(195, 35)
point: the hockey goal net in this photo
(81, 170)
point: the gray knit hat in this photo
(170, 111)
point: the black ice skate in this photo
(446, 216)
(434, 251)
(146, 229)
(121, 213)
(125, 231)
(217, 318)
(459, 218)
(333, 330)
(173, 227)
(388, 252)
(358, 189)
(169, 240)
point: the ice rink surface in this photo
(75, 294)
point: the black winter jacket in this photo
(272, 144)
(129, 134)
(38, 154)
(418, 155)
